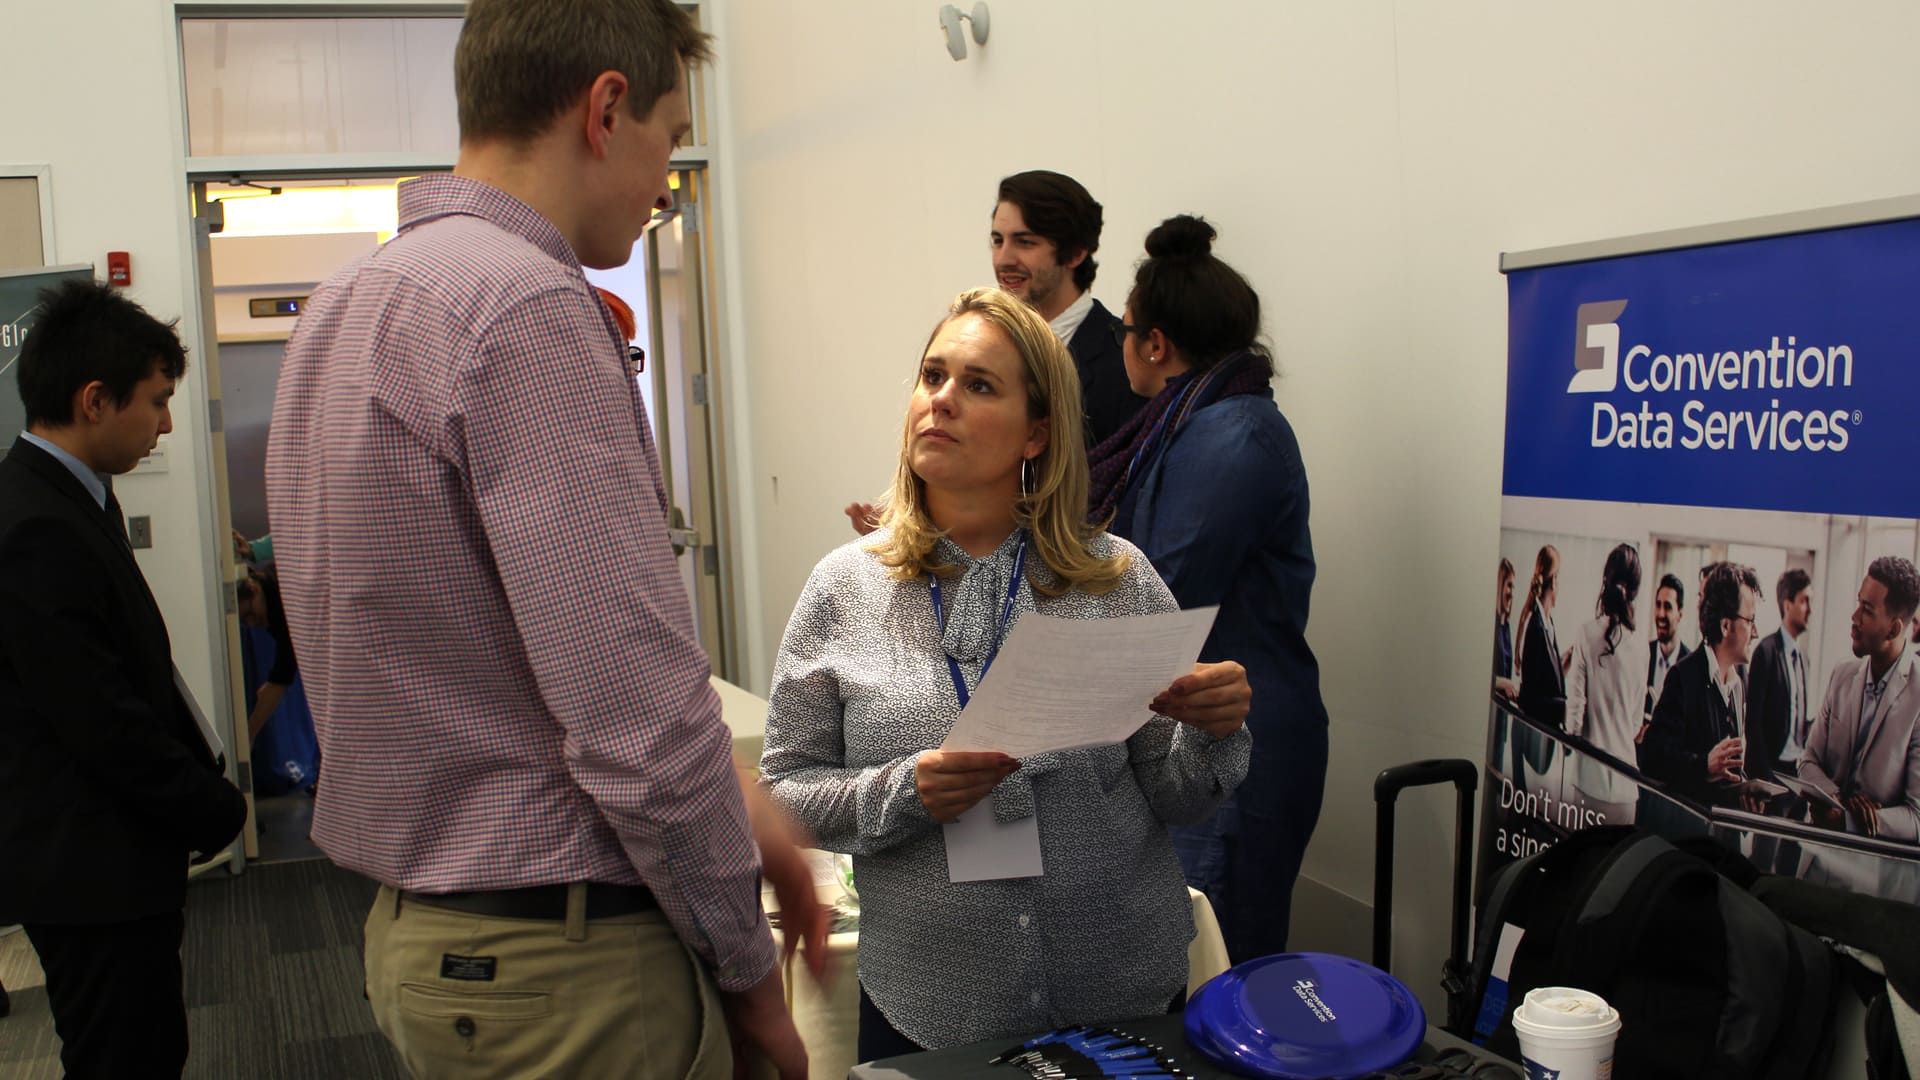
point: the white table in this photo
(828, 1017)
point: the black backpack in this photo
(1708, 981)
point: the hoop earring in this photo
(1026, 480)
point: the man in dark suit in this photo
(1777, 709)
(108, 783)
(1693, 744)
(1666, 649)
(1045, 231)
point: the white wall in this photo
(92, 94)
(1365, 162)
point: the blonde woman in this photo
(987, 521)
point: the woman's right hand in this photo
(950, 782)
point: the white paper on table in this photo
(980, 847)
(1060, 684)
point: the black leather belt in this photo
(547, 902)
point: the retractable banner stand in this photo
(1704, 596)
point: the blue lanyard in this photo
(1006, 615)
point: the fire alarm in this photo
(119, 269)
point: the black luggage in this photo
(1464, 775)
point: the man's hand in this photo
(1725, 761)
(803, 921)
(1506, 688)
(951, 782)
(1212, 697)
(864, 517)
(1867, 812)
(1827, 817)
(759, 1026)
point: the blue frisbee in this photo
(1301, 1016)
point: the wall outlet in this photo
(140, 531)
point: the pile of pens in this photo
(1091, 1053)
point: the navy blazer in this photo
(1105, 395)
(1221, 512)
(1680, 652)
(106, 783)
(1543, 683)
(1770, 705)
(1690, 719)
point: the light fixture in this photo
(950, 18)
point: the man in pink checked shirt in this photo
(536, 773)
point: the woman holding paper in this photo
(985, 524)
(1208, 481)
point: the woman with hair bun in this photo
(1207, 480)
(985, 524)
(1606, 677)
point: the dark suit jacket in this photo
(1690, 720)
(1104, 392)
(105, 781)
(1543, 684)
(1769, 705)
(1680, 652)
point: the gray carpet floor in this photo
(274, 981)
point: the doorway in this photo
(262, 244)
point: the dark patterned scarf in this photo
(1113, 464)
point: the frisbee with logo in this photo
(1300, 1016)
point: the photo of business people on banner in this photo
(1753, 674)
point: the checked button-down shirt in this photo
(470, 526)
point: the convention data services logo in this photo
(1722, 399)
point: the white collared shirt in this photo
(1731, 686)
(1796, 694)
(1663, 661)
(1067, 322)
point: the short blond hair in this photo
(1055, 512)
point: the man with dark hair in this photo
(1046, 228)
(108, 782)
(1045, 231)
(1777, 683)
(1864, 749)
(1666, 649)
(538, 775)
(1693, 744)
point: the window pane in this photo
(319, 86)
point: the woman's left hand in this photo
(1212, 697)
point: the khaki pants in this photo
(616, 997)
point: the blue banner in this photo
(1771, 374)
(1707, 554)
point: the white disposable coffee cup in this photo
(1566, 1033)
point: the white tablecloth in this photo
(829, 1017)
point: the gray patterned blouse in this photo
(861, 688)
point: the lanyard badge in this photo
(999, 634)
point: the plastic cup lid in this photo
(1565, 1008)
(1299, 1016)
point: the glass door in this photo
(684, 401)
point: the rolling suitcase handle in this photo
(1464, 775)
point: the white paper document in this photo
(1060, 683)
(980, 847)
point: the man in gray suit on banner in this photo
(1864, 750)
